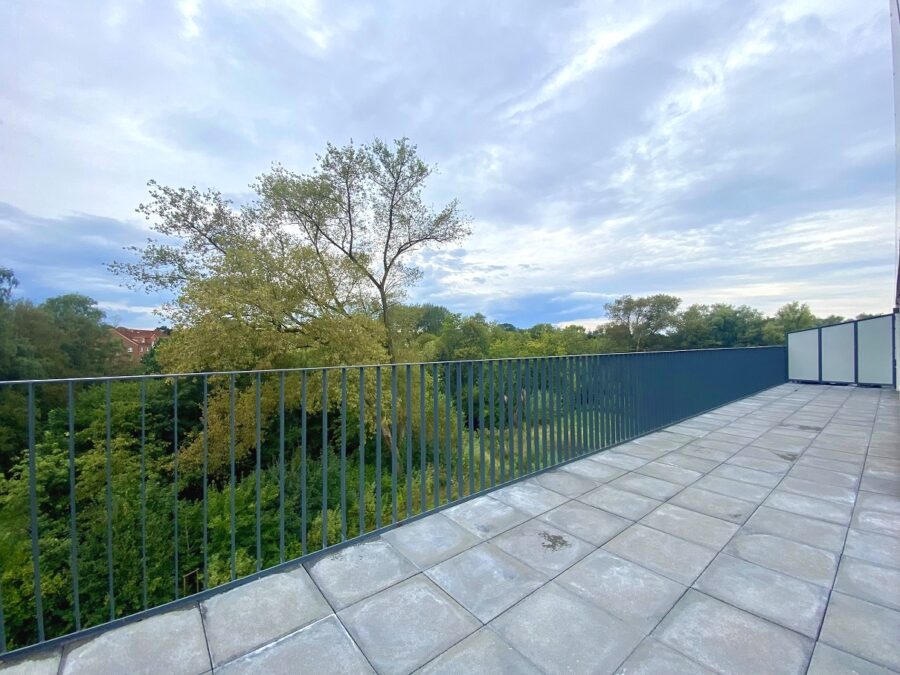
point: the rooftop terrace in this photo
(760, 537)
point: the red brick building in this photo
(136, 342)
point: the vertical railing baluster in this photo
(471, 402)
(491, 424)
(143, 493)
(281, 467)
(436, 437)
(343, 454)
(459, 432)
(543, 403)
(304, 509)
(394, 432)
(481, 425)
(423, 443)
(511, 420)
(258, 469)
(33, 509)
(526, 414)
(519, 403)
(408, 408)
(109, 530)
(205, 482)
(501, 422)
(378, 447)
(232, 480)
(362, 451)
(175, 479)
(324, 458)
(448, 463)
(73, 524)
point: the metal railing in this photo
(122, 494)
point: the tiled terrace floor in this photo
(763, 537)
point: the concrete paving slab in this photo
(669, 472)
(809, 506)
(558, 631)
(257, 613)
(691, 526)
(586, 522)
(647, 486)
(407, 625)
(622, 588)
(867, 581)
(831, 464)
(431, 540)
(356, 572)
(595, 471)
(322, 648)
(746, 475)
(876, 548)
(566, 483)
(767, 465)
(686, 461)
(481, 652)
(620, 502)
(716, 455)
(815, 565)
(713, 504)
(829, 536)
(828, 493)
(675, 558)
(876, 521)
(542, 546)
(652, 657)
(529, 498)
(485, 517)
(787, 601)
(733, 488)
(825, 476)
(863, 629)
(40, 664)
(620, 460)
(486, 580)
(827, 660)
(170, 643)
(728, 640)
(879, 502)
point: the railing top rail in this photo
(217, 373)
(840, 323)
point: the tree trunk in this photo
(389, 336)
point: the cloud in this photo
(720, 151)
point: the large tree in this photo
(365, 205)
(643, 319)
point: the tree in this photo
(791, 317)
(365, 205)
(720, 325)
(8, 283)
(643, 319)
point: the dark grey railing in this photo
(124, 494)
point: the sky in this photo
(720, 151)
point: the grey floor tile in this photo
(828, 493)
(746, 475)
(876, 521)
(686, 461)
(481, 652)
(558, 631)
(669, 472)
(882, 485)
(622, 588)
(824, 476)
(713, 504)
(815, 565)
(599, 472)
(829, 536)
(485, 517)
(879, 502)
(407, 625)
(864, 629)
(171, 643)
(643, 451)
(42, 663)
(787, 601)
(543, 546)
(729, 640)
(620, 502)
(254, 614)
(716, 454)
(831, 464)
(652, 657)
(664, 440)
(486, 580)
(867, 581)
(809, 506)
(827, 660)
(647, 486)
(758, 463)
(356, 572)
(877, 548)
(690, 525)
(733, 488)
(529, 498)
(566, 483)
(586, 522)
(431, 540)
(619, 459)
(323, 648)
(675, 558)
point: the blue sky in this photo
(722, 151)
